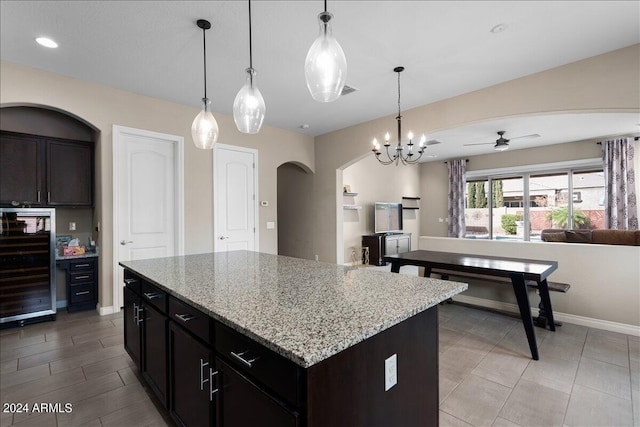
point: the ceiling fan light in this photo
(501, 147)
(325, 67)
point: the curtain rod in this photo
(466, 160)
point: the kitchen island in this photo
(246, 338)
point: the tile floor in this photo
(585, 377)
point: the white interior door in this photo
(148, 200)
(235, 206)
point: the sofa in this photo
(600, 237)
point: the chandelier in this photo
(399, 156)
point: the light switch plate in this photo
(390, 372)
(271, 225)
(72, 226)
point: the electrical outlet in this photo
(390, 372)
(316, 257)
(72, 226)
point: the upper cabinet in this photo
(21, 169)
(40, 171)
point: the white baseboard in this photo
(606, 325)
(106, 310)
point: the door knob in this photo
(124, 242)
(223, 237)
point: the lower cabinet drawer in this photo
(82, 293)
(78, 265)
(276, 373)
(82, 276)
(192, 319)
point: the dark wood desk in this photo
(518, 270)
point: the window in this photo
(514, 205)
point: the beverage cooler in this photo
(27, 265)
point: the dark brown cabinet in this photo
(385, 244)
(154, 353)
(82, 283)
(132, 330)
(240, 393)
(193, 379)
(69, 173)
(145, 332)
(41, 171)
(21, 169)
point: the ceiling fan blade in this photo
(481, 143)
(432, 142)
(533, 135)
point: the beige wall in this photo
(103, 107)
(605, 83)
(377, 183)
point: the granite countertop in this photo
(304, 310)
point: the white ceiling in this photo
(154, 48)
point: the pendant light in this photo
(326, 66)
(204, 129)
(248, 107)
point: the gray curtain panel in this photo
(457, 183)
(621, 211)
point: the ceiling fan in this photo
(502, 143)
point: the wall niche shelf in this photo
(350, 207)
(414, 203)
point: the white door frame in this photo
(178, 143)
(256, 221)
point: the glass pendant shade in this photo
(325, 68)
(248, 107)
(204, 129)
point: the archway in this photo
(295, 210)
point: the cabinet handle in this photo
(82, 277)
(212, 391)
(202, 378)
(247, 362)
(152, 295)
(140, 309)
(185, 317)
(82, 293)
(135, 313)
(81, 265)
(38, 196)
(48, 196)
(130, 281)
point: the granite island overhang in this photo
(330, 327)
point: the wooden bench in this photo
(541, 320)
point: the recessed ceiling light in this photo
(499, 28)
(46, 42)
(304, 126)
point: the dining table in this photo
(520, 272)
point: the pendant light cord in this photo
(325, 6)
(399, 113)
(250, 45)
(204, 52)
(398, 94)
